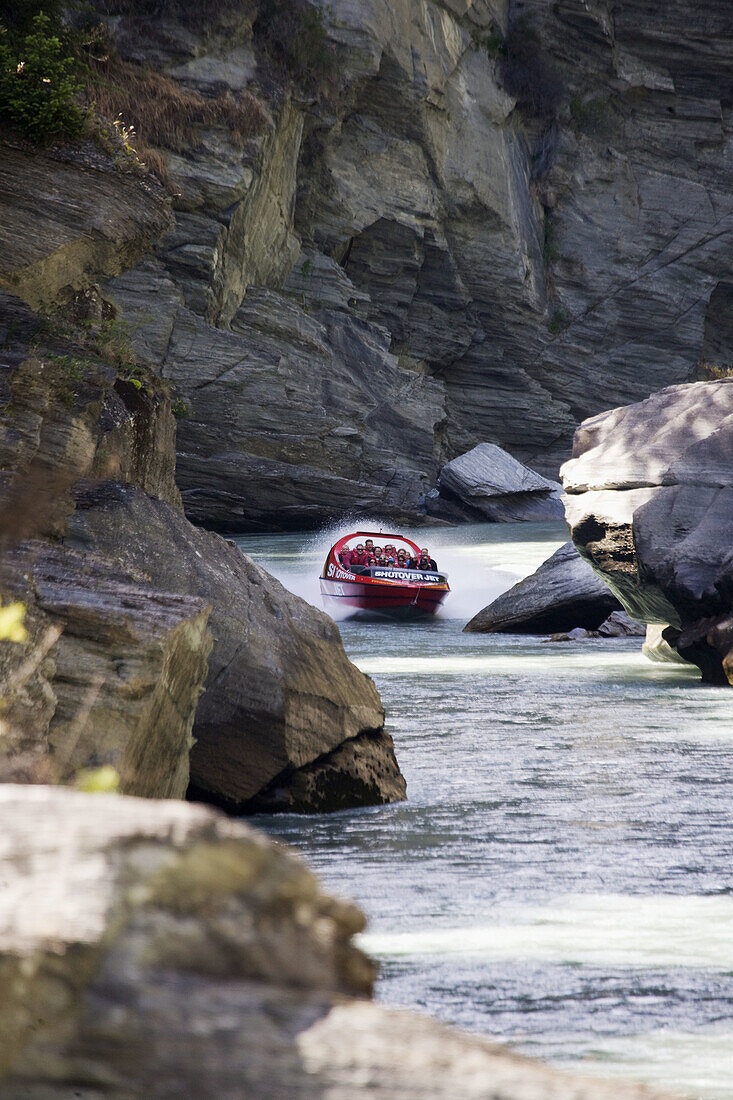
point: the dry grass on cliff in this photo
(156, 112)
(706, 371)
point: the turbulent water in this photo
(561, 875)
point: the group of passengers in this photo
(367, 555)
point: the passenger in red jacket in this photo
(345, 556)
(359, 556)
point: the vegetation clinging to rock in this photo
(39, 81)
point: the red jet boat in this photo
(380, 591)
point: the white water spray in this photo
(478, 571)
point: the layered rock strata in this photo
(96, 218)
(280, 692)
(563, 594)
(467, 234)
(158, 948)
(649, 499)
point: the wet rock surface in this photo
(650, 506)
(280, 691)
(562, 595)
(161, 948)
(360, 772)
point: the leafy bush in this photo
(560, 321)
(550, 244)
(592, 116)
(39, 83)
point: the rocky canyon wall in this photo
(488, 222)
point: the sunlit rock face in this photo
(486, 483)
(649, 499)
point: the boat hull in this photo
(365, 600)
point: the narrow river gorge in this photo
(560, 874)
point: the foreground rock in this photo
(563, 594)
(650, 505)
(281, 692)
(160, 949)
(113, 676)
(486, 483)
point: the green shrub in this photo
(495, 45)
(560, 321)
(710, 372)
(39, 84)
(592, 116)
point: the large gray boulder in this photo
(281, 692)
(160, 949)
(650, 506)
(487, 483)
(564, 593)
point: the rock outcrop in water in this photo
(160, 949)
(488, 484)
(280, 692)
(650, 506)
(564, 593)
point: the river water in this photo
(560, 876)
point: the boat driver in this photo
(424, 561)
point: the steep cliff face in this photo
(493, 220)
